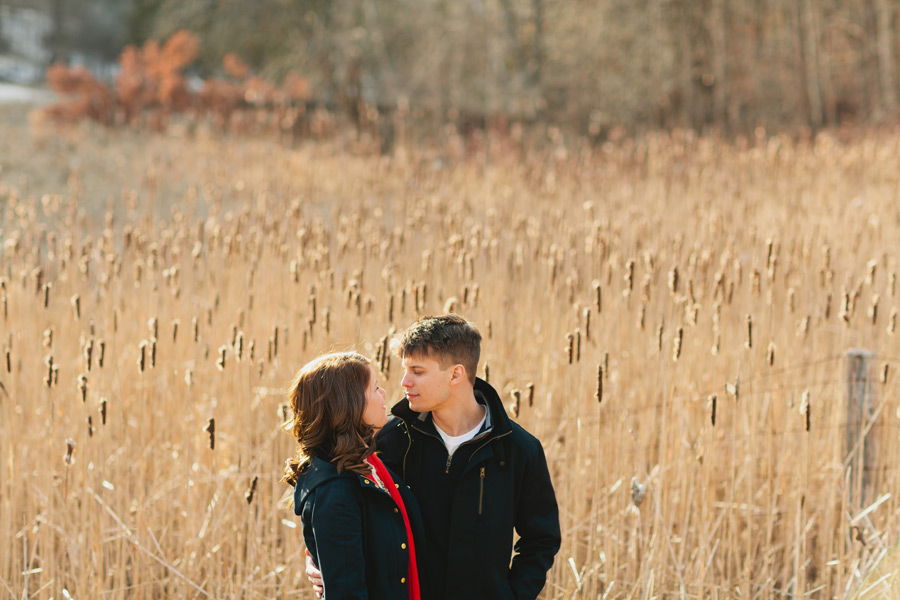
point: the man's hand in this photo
(314, 575)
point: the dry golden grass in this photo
(159, 292)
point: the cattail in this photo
(659, 337)
(76, 306)
(295, 272)
(88, 352)
(475, 289)
(115, 320)
(734, 389)
(82, 387)
(153, 353)
(69, 458)
(638, 491)
(790, 295)
(312, 307)
(586, 314)
(153, 326)
(892, 284)
(239, 346)
(195, 328)
(275, 341)
(46, 291)
(892, 321)
(570, 343)
(516, 396)
(326, 321)
(49, 362)
(142, 359)
(599, 393)
(234, 332)
(828, 298)
(673, 280)
(189, 377)
(598, 297)
(805, 408)
(390, 314)
(873, 309)
(884, 373)
(8, 361)
(606, 364)
(577, 345)
(450, 305)
(211, 430)
(641, 316)
(175, 324)
(487, 372)
(102, 355)
(252, 490)
(770, 354)
(629, 278)
(803, 326)
(251, 350)
(103, 411)
(676, 344)
(220, 363)
(530, 387)
(871, 267)
(712, 410)
(845, 308)
(90, 426)
(55, 371)
(749, 342)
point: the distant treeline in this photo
(594, 67)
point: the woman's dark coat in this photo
(356, 534)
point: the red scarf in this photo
(385, 476)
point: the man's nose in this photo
(405, 382)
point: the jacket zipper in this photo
(449, 458)
(481, 491)
(408, 446)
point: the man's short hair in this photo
(449, 339)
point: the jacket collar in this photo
(497, 421)
(315, 474)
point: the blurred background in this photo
(598, 68)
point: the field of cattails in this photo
(689, 325)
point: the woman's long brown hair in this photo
(328, 398)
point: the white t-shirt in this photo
(452, 442)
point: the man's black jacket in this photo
(502, 483)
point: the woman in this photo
(359, 525)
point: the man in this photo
(477, 475)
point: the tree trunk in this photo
(807, 41)
(719, 35)
(683, 25)
(884, 39)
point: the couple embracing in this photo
(421, 505)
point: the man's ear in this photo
(458, 374)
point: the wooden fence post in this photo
(861, 441)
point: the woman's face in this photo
(375, 412)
